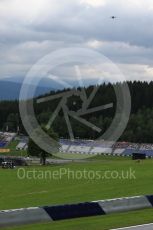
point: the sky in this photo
(30, 29)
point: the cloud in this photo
(137, 72)
(31, 29)
(94, 3)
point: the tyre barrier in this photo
(61, 212)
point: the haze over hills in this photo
(10, 86)
(10, 90)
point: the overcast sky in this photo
(30, 29)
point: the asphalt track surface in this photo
(139, 227)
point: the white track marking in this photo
(138, 227)
(31, 193)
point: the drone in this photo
(113, 17)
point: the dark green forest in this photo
(139, 128)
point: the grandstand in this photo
(6, 138)
(23, 144)
(103, 147)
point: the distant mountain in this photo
(45, 82)
(10, 90)
(10, 86)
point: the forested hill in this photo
(139, 129)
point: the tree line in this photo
(139, 128)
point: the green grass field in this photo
(17, 193)
(13, 152)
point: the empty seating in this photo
(6, 138)
(104, 147)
